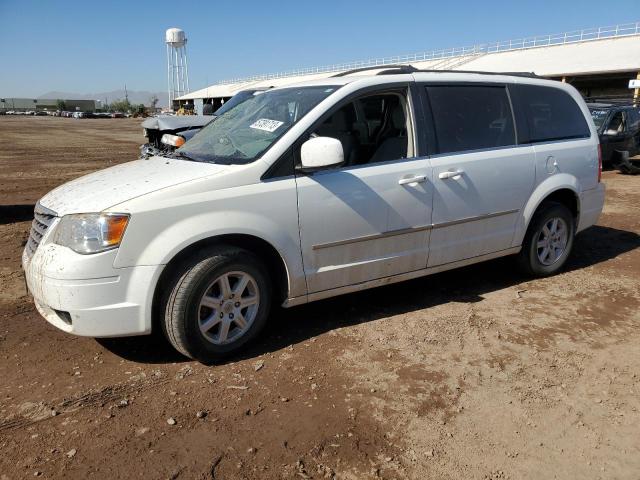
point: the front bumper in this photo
(85, 295)
(591, 204)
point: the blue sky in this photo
(92, 46)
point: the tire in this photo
(530, 258)
(209, 328)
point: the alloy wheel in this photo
(552, 241)
(228, 307)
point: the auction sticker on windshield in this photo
(266, 125)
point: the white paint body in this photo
(337, 231)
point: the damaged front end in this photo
(165, 134)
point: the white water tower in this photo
(177, 71)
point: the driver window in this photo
(372, 129)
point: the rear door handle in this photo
(449, 174)
(414, 179)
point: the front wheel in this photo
(548, 241)
(218, 302)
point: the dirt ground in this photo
(478, 373)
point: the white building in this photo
(597, 61)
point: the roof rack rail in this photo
(479, 72)
(394, 69)
(386, 69)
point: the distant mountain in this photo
(134, 96)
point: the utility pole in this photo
(126, 96)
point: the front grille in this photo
(43, 217)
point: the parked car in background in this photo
(618, 128)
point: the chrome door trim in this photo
(375, 236)
(473, 219)
(404, 231)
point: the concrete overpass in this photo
(598, 61)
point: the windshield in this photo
(245, 132)
(237, 99)
(599, 115)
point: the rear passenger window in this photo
(551, 114)
(471, 117)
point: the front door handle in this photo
(414, 179)
(449, 174)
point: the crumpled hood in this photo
(100, 190)
(174, 122)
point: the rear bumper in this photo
(100, 302)
(591, 204)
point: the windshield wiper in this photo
(183, 155)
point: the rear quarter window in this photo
(551, 114)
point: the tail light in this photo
(599, 163)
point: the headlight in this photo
(91, 232)
(172, 140)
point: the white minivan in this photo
(314, 190)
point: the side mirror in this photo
(321, 152)
(611, 132)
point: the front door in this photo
(371, 217)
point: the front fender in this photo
(560, 181)
(171, 224)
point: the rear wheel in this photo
(218, 302)
(548, 241)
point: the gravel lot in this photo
(477, 373)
